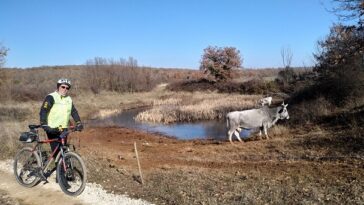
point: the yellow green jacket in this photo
(56, 111)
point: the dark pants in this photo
(54, 144)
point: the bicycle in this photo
(32, 165)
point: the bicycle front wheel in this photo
(71, 174)
(27, 165)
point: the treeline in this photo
(35, 83)
(101, 74)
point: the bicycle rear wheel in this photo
(26, 167)
(71, 174)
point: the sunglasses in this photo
(65, 87)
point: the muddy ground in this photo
(314, 166)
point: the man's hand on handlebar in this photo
(79, 126)
(48, 129)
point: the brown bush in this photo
(340, 64)
(219, 62)
(249, 87)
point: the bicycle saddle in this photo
(34, 126)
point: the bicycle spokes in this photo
(26, 167)
(71, 174)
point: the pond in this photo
(212, 129)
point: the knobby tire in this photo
(27, 169)
(76, 173)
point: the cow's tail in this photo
(227, 126)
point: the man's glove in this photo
(46, 128)
(79, 126)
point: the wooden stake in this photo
(139, 167)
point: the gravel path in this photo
(12, 193)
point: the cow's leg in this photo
(265, 132)
(230, 134)
(236, 132)
(230, 130)
(260, 132)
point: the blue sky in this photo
(161, 33)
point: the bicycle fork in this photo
(67, 167)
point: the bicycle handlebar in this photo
(67, 131)
(63, 132)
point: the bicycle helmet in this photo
(63, 81)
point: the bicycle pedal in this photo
(41, 176)
(48, 174)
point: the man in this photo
(56, 111)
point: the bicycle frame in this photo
(51, 158)
(70, 168)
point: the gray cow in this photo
(262, 118)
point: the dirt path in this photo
(41, 194)
(11, 193)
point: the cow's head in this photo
(283, 112)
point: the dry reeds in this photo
(187, 107)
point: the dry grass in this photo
(279, 131)
(186, 106)
(91, 105)
(9, 137)
(12, 112)
(14, 119)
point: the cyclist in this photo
(56, 111)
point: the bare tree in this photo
(3, 54)
(348, 10)
(93, 73)
(286, 55)
(287, 75)
(3, 74)
(132, 62)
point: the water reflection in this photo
(212, 129)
